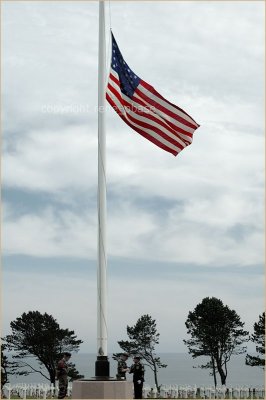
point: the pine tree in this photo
(40, 336)
(4, 367)
(143, 337)
(258, 338)
(216, 333)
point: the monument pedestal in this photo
(102, 389)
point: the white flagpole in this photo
(102, 364)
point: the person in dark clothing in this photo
(137, 369)
(61, 374)
(122, 367)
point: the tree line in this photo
(215, 331)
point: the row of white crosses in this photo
(205, 392)
(43, 391)
(37, 390)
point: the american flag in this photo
(145, 110)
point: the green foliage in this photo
(143, 337)
(4, 367)
(8, 367)
(258, 337)
(40, 336)
(216, 332)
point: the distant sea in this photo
(179, 371)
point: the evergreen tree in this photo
(258, 338)
(216, 332)
(40, 336)
(4, 367)
(142, 340)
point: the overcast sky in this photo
(179, 228)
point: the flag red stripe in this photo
(113, 78)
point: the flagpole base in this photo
(102, 389)
(102, 368)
